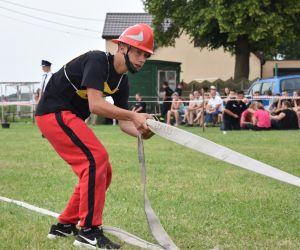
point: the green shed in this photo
(148, 82)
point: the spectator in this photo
(233, 111)
(174, 110)
(200, 114)
(226, 92)
(286, 119)
(191, 106)
(214, 107)
(46, 67)
(246, 121)
(178, 89)
(167, 93)
(256, 98)
(261, 118)
(274, 104)
(194, 108)
(296, 104)
(140, 105)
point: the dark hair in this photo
(287, 103)
(241, 92)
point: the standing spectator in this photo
(286, 119)
(140, 105)
(46, 67)
(75, 91)
(178, 89)
(233, 110)
(214, 107)
(261, 118)
(167, 93)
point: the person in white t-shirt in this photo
(46, 67)
(214, 106)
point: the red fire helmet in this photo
(139, 36)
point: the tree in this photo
(288, 50)
(240, 27)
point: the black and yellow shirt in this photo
(93, 69)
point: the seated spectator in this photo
(233, 111)
(274, 104)
(261, 118)
(256, 98)
(194, 108)
(192, 105)
(214, 107)
(285, 96)
(199, 119)
(246, 121)
(174, 110)
(296, 104)
(140, 105)
(286, 119)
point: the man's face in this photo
(137, 98)
(285, 93)
(212, 92)
(137, 57)
(46, 68)
(196, 94)
(232, 94)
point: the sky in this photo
(30, 33)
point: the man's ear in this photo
(122, 48)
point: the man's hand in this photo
(139, 121)
(147, 135)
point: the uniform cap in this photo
(45, 63)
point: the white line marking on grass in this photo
(121, 234)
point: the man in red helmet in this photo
(74, 92)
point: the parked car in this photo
(276, 84)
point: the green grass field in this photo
(201, 202)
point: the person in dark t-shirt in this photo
(233, 111)
(286, 119)
(72, 94)
(167, 99)
(140, 105)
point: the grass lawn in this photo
(201, 201)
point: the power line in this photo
(49, 21)
(49, 28)
(53, 12)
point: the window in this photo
(166, 76)
(266, 86)
(255, 87)
(290, 84)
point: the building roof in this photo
(116, 23)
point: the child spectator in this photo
(174, 111)
(140, 105)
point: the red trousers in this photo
(76, 143)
